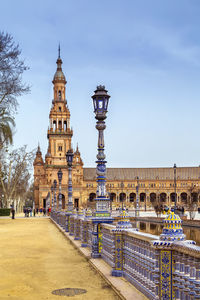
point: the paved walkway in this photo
(35, 259)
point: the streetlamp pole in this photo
(69, 158)
(55, 185)
(60, 174)
(122, 185)
(175, 199)
(100, 101)
(102, 213)
(137, 209)
(52, 204)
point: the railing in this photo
(89, 233)
(108, 244)
(141, 263)
(159, 269)
(186, 275)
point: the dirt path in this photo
(35, 259)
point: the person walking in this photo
(44, 211)
(13, 212)
(34, 212)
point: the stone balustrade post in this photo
(71, 222)
(118, 253)
(118, 250)
(77, 228)
(85, 228)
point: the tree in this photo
(15, 174)
(11, 70)
(6, 129)
(192, 201)
(158, 207)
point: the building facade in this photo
(156, 185)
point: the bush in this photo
(4, 211)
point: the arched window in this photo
(184, 198)
(152, 197)
(54, 125)
(132, 197)
(113, 197)
(142, 197)
(60, 125)
(122, 197)
(163, 197)
(92, 196)
(59, 95)
(65, 125)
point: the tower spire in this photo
(59, 50)
(59, 76)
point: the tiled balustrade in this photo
(160, 269)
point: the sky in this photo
(146, 53)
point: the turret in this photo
(38, 161)
(77, 158)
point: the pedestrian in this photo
(44, 211)
(30, 212)
(34, 212)
(13, 212)
(37, 210)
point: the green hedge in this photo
(4, 211)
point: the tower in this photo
(59, 136)
(59, 132)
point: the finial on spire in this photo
(59, 51)
(38, 149)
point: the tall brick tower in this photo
(59, 132)
(59, 136)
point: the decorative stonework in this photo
(124, 222)
(172, 230)
(166, 275)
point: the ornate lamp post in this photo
(69, 158)
(102, 212)
(122, 186)
(137, 208)
(55, 185)
(100, 102)
(52, 204)
(175, 199)
(60, 174)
